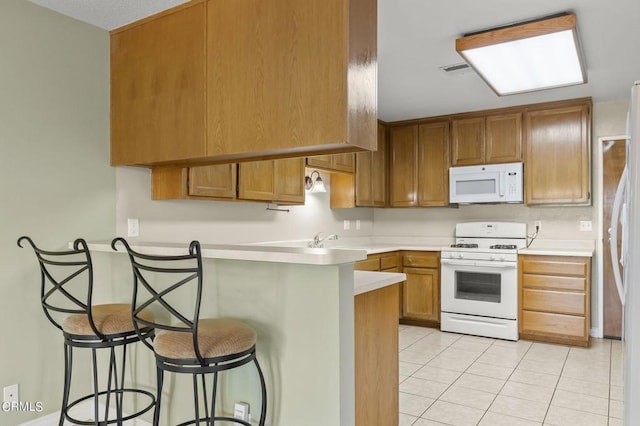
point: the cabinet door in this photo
(218, 181)
(421, 299)
(289, 180)
(433, 164)
(467, 141)
(503, 138)
(379, 169)
(158, 89)
(343, 162)
(371, 174)
(364, 186)
(256, 180)
(320, 161)
(403, 166)
(558, 155)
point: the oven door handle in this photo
(479, 263)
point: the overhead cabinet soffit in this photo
(228, 81)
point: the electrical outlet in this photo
(538, 224)
(11, 393)
(241, 411)
(347, 225)
(358, 224)
(133, 228)
(586, 225)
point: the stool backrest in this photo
(66, 281)
(156, 278)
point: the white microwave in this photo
(492, 183)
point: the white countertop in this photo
(259, 253)
(366, 281)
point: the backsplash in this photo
(227, 221)
(558, 223)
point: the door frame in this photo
(601, 250)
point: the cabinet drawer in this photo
(421, 260)
(555, 266)
(372, 264)
(388, 261)
(560, 302)
(395, 269)
(548, 323)
(554, 282)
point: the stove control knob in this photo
(460, 255)
(503, 257)
(492, 257)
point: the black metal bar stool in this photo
(66, 296)
(186, 343)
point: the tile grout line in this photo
(555, 388)
(493, 344)
(506, 380)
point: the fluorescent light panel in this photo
(524, 64)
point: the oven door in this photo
(480, 288)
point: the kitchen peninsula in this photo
(301, 303)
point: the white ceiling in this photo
(415, 37)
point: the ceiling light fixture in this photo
(314, 186)
(540, 54)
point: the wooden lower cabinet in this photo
(421, 290)
(554, 293)
(376, 357)
(380, 262)
(419, 301)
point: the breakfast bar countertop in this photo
(258, 253)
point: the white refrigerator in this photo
(628, 205)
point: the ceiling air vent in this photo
(455, 69)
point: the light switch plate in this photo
(133, 227)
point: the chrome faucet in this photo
(319, 242)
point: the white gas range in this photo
(479, 279)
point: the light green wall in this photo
(56, 182)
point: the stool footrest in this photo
(109, 420)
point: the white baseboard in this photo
(596, 332)
(84, 410)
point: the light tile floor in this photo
(454, 379)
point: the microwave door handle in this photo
(501, 183)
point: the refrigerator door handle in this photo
(618, 216)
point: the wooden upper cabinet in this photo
(433, 164)
(217, 181)
(503, 138)
(467, 141)
(336, 162)
(486, 139)
(344, 162)
(158, 89)
(557, 155)
(231, 80)
(278, 72)
(278, 181)
(289, 177)
(419, 166)
(371, 174)
(324, 162)
(403, 166)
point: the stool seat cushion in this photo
(216, 337)
(109, 319)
